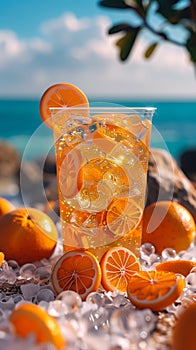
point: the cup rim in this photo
(107, 109)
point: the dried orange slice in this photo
(183, 267)
(31, 319)
(118, 264)
(58, 96)
(123, 216)
(155, 289)
(78, 271)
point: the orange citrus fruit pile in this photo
(119, 269)
(78, 271)
(154, 289)
(58, 96)
(168, 225)
(118, 264)
(27, 235)
(5, 206)
(29, 319)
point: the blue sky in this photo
(47, 41)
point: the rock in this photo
(166, 181)
(188, 164)
(52, 190)
(31, 184)
(9, 160)
(9, 169)
(50, 164)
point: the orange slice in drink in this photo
(58, 96)
(155, 289)
(78, 271)
(183, 266)
(123, 216)
(118, 264)
(68, 173)
(31, 319)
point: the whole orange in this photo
(168, 225)
(27, 235)
(5, 206)
(184, 332)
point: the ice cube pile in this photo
(105, 320)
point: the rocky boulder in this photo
(166, 181)
(9, 169)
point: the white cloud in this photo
(10, 47)
(80, 51)
(66, 21)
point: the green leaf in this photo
(126, 43)
(193, 9)
(136, 4)
(169, 11)
(150, 50)
(118, 4)
(191, 46)
(120, 28)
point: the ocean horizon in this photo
(174, 125)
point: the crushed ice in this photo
(105, 320)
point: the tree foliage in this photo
(167, 15)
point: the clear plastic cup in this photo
(102, 160)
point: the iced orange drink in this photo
(102, 158)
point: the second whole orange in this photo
(184, 332)
(168, 225)
(27, 235)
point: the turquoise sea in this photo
(174, 126)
